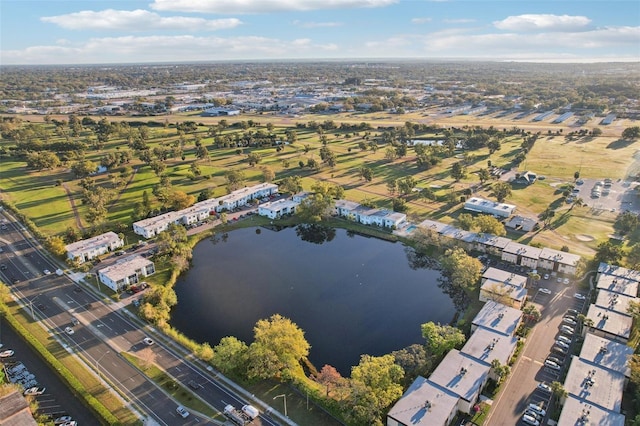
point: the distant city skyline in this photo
(57, 32)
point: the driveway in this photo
(521, 387)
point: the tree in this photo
(633, 256)
(290, 185)
(627, 222)
(458, 171)
(501, 371)
(462, 270)
(376, 384)
(608, 253)
(262, 362)
(413, 360)
(253, 158)
(268, 175)
(366, 173)
(329, 376)
(558, 391)
(531, 313)
(501, 190)
(235, 180)
(631, 133)
(484, 175)
(440, 339)
(169, 240)
(42, 160)
(547, 215)
(202, 152)
(230, 355)
(56, 245)
(489, 225)
(283, 337)
(318, 206)
(465, 221)
(180, 200)
(634, 366)
(576, 176)
(83, 168)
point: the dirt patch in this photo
(585, 238)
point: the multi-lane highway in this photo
(101, 333)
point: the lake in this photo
(349, 293)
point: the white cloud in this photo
(543, 22)
(263, 6)
(136, 20)
(132, 49)
(458, 21)
(316, 24)
(420, 20)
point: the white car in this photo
(63, 419)
(69, 330)
(564, 339)
(545, 387)
(7, 353)
(546, 276)
(530, 420)
(579, 296)
(567, 330)
(569, 321)
(537, 409)
(545, 291)
(47, 272)
(562, 344)
(34, 391)
(566, 281)
(148, 341)
(552, 365)
(182, 411)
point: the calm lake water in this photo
(350, 294)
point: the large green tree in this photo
(230, 355)
(441, 338)
(501, 190)
(462, 270)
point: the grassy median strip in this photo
(107, 407)
(183, 395)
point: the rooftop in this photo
(125, 267)
(498, 317)
(503, 276)
(424, 404)
(620, 285)
(618, 271)
(610, 322)
(559, 256)
(89, 243)
(486, 345)
(615, 301)
(595, 385)
(460, 374)
(523, 250)
(606, 353)
(507, 290)
(579, 413)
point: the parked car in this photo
(562, 344)
(545, 291)
(559, 350)
(62, 419)
(69, 330)
(34, 391)
(572, 312)
(566, 281)
(554, 359)
(530, 420)
(546, 276)
(564, 339)
(47, 272)
(552, 365)
(545, 387)
(7, 353)
(569, 321)
(538, 409)
(579, 296)
(567, 330)
(182, 411)
(533, 414)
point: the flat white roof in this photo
(615, 301)
(523, 250)
(424, 404)
(610, 321)
(498, 317)
(506, 277)
(576, 412)
(618, 285)
(606, 353)
(508, 290)
(125, 267)
(278, 204)
(618, 271)
(460, 374)
(559, 256)
(486, 345)
(90, 243)
(595, 385)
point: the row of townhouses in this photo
(597, 378)
(508, 250)
(456, 383)
(126, 271)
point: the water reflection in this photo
(315, 233)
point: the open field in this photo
(555, 156)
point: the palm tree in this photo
(558, 391)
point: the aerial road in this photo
(99, 333)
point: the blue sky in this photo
(122, 31)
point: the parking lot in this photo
(613, 195)
(56, 400)
(546, 353)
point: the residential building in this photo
(461, 375)
(152, 226)
(617, 280)
(277, 209)
(480, 205)
(85, 250)
(424, 404)
(595, 385)
(610, 324)
(607, 353)
(497, 317)
(558, 261)
(521, 254)
(369, 216)
(125, 272)
(504, 287)
(616, 302)
(526, 178)
(486, 345)
(15, 410)
(578, 412)
(521, 223)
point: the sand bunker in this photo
(583, 237)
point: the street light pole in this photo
(31, 305)
(284, 397)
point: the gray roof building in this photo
(581, 413)
(423, 404)
(617, 284)
(606, 353)
(617, 302)
(610, 324)
(461, 375)
(595, 385)
(497, 317)
(486, 345)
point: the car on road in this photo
(566, 281)
(545, 387)
(182, 411)
(579, 296)
(552, 365)
(69, 330)
(559, 280)
(546, 276)
(545, 291)
(564, 339)
(148, 341)
(7, 353)
(62, 419)
(569, 321)
(34, 391)
(562, 344)
(71, 423)
(530, 420)
(47, 272)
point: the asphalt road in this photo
(521, 387)
(57, 400)
(103, 332)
